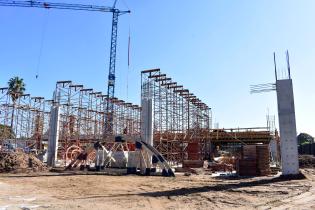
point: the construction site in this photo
(87, 149)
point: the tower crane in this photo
(112, 62)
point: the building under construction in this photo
(181, 122)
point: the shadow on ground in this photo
(217, 187)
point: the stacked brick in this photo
(263, 165)
(254, 161)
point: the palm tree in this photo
(16, 89)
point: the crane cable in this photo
(128, 63)
(42, 39)
(129, 42)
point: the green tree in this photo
(304, 138)
(16, 89)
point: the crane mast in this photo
(111, 76)
(108, 130)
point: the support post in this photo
(147, 115)
(53, 137)
(287, 125)
(146, 119)
(146, 125)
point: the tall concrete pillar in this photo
(146, 126)
(147, 114)
(53, 136)
(287, 125)
(147, 121)
(286, 115)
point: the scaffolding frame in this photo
(179, 118)
(83, 114)
(26, 122)
(82, 118)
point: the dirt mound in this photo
(20, 162)
(307, 161)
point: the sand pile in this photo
(20, 162)
(307, 161)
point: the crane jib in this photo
(50, 5)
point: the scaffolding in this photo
(82, 117)
(25, 122)
(179, 117)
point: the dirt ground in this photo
(65, 191)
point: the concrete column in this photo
(146, 127)
(53, 136)
(147, 114)
(147, 121)
(287, 125)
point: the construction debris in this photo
(20, 162)
(222, 164)
(307, 161)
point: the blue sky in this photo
(215, 48)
